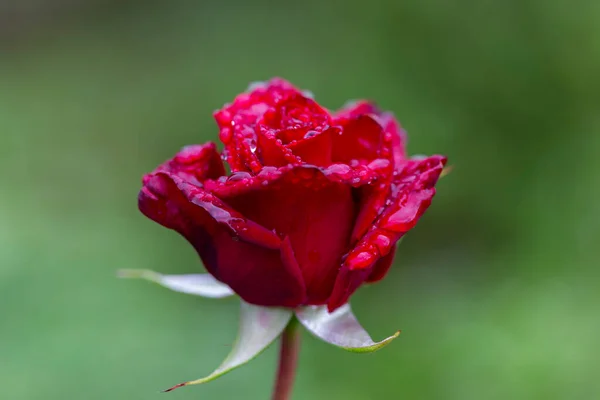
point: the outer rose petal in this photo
(249, 258)
(412, 191)
(314, 212)
(382, 266)
(368, 133)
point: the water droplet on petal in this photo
(339, 169)
(362, 260)
(239, 176)
(310, 134)
(383, 244)
(251, 145)
(379, 163)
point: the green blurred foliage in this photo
(496, 290)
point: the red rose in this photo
(315, 203)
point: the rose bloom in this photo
(314, 205)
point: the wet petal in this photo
(362, 139)
(315, 148)
(234, 249)
(411, 192)
(314, 212)
(258, 126)
(259, 327)
(382, 266)
(394, 136)
(356, 108)
(194, 164)
(204, 285)
(340, 328)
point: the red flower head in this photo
(315, 203)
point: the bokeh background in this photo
(496, 290)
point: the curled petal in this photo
(204, 285)
(193, 164)
(411, 193)
(259, 327)
(340, 328)
(235, 250)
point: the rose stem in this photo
(288, 358)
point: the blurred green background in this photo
(496, 290)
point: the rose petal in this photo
(382, 266)
(387, 143)
(411, 194)
(361, 139)
(394, 136)
(194, 164)
(340, 328)
(239, 139)
(204, 285)
(356, 108)
(257, 127)
(315, 148)
(316, 213)
(259, 327)
(324, 192)
(293, 116)
(234, 249)
(373, 199)
(272, 150)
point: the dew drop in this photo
(251, 145)
(379, 163)
(383, 243)
(239, 176)
(310, 134)
(362, 260)
(340, 169)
